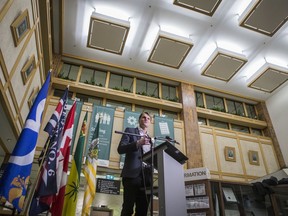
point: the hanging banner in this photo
(163, 127)
(130, 120)
(106, 115)
(76, 120)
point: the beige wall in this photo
(213, 143)
(13, 58)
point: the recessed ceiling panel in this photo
(207, 7)
(266, 16)
(169, 52)
(269, 80)
(107, 36)
(217, 70)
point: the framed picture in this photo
(253, 157)
(230, 154)
(33, 96)
(20, 27)
(28, 69)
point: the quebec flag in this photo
(15, 179)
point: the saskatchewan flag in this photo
(72, 186)
(90, 170)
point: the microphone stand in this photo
(152, 177)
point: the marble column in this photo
(189, 116)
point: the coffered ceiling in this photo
(236, 46)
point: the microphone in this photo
(171, 140)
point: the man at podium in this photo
(135, 174)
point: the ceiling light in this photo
(107, 33)
(213, 67)
(268, 78)
(170, 50)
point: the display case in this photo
(198, 199)
(238, 199)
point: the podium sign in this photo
(168, 160)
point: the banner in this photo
(130, 120)
(79, 105)
(163, 127)
(106, 115)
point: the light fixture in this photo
(213, 66)
(170, 50)
(107, 33)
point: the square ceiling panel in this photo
(216, 70)
(107, 35)
(169, 52)
(269, 80)
(207, 7)
(266, 16)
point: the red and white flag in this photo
(62, 162)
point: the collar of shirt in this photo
(141, 131)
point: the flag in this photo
(72, 187)
(54, 121)
(13, 184)
(90, 171)
(63, 162)
(47, 185)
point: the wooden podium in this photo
(168, 160)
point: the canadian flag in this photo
(62, 162)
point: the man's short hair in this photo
(143, 113)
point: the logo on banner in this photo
(132, 121)
(105, 118)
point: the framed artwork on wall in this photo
(20, 27)
(253, 157)
(33, 96)
(230, 154)
(28, 69)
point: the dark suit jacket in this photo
(133, 159)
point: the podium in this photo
(168, 160)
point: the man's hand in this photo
(145, 140)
